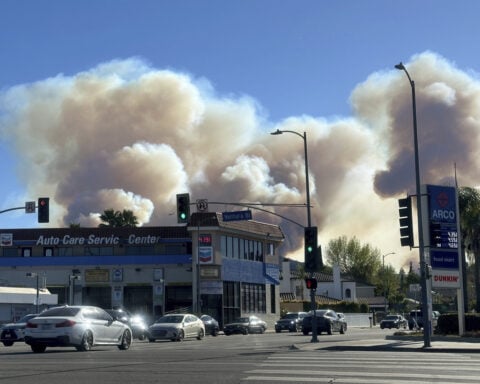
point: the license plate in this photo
(46, 326)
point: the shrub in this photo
(448, 323)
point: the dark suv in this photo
(291, 322)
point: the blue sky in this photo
(279, 61)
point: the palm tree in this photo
(112, 218)
(128, 219)
(469, 205)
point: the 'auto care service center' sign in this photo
(443, 231)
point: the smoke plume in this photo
(124, 135)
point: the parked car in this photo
(211, 325)
(176, 327)
(12, 332)
(327, 321)
(79, 326)
(291, 321)
(137, 323)
(245, 325)
(394, 321)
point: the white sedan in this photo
(79, 326)
(176, 327)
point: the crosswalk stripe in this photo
(369, 367)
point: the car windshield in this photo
(290, 316)
(242, 320)
(60, 311)
(170, 319)
(391, 317)
(319, 312)
(25, 318)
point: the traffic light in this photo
(312, 257)
(183, 207)
(311, 283)
(43, 210)
(406, 225)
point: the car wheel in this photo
(245, 331)
(342, 329)
(214, 332)
(329, 329)
(142, 336)
(278, 330)
(200, 335)
(227, 333)
(150, 340)
(8, 343)
(126, 340)
(262, 330)
(87, 342)
(305, 332)
(181, 335)
(38, 348)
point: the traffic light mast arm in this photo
(12, 209)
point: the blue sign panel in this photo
(444, 259)
(442, 204)
(237, 215)
(443, 227)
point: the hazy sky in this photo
(123, 104)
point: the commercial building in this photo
(223, 268)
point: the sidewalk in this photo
(442, 344)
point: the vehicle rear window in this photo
(64, 311)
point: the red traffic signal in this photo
(43, 210)
(311, 283)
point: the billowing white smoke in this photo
(124, 135)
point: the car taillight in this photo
(66, 323)
(31, 325)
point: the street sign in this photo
(30, 207)
(237, 215)
(202, 205)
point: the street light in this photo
(307, 184)
(34, 274)
(309, 222)
(423, 278)
(385, 280)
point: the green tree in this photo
(362, 262)
(113, 218)
(469, 204)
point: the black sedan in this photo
(327, 321)
(394, 321)
(291, 321)
(12, 332)
(211, 325)
(245, 325)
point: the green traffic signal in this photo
(183, 207)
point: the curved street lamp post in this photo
(309, 222)
(423, 266)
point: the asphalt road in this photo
(222, 359)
